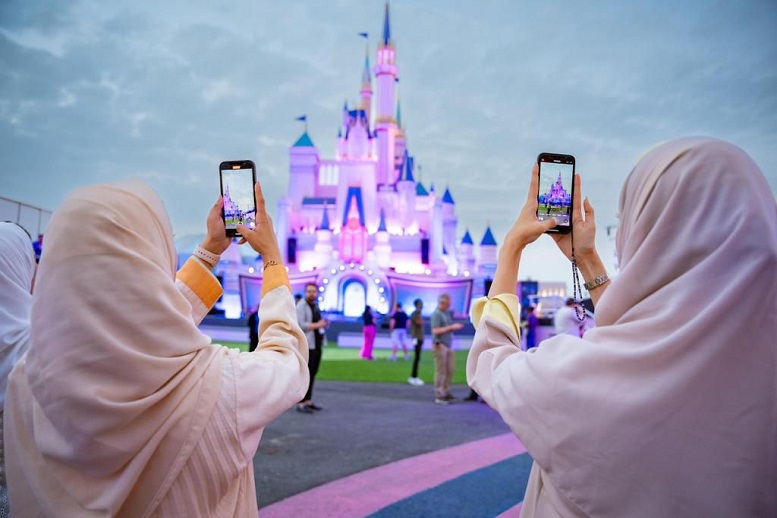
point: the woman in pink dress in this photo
(369, 333)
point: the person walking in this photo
(417, 337)
(311, 322)
(253, 330)
(443, 327)
(565, 320)
(668, 406)
(531, 328)
(398, 332)
(368, 331)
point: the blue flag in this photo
(302, 118)
(363, 34)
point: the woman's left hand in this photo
(216, 242)
(527, 228)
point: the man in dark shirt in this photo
(417, 336)
(398, 329)
(309, 318)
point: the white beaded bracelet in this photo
(208, 258)
(595, 283)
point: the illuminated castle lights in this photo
(360, 225)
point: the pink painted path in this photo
(364, 493)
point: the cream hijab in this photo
(118, 382)
(669, 406)
(17, 268)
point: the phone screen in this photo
(237, 189)
(555, 195)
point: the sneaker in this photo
(449, 398)
(441, 401)
(314, 406)
(411, 381)
(419, 382)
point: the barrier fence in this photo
(33, 219)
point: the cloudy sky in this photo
(94, 91)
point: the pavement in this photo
(388, 450)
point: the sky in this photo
(95, 91)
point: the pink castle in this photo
(361, 225)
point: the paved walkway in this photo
(387, 450)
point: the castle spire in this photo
(325, 220)
(386, 27)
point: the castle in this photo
(361, 225)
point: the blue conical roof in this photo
(382, 225)
(304, 141)
(366, 77)
(386, 26)
(467, 239)
(447, 198)
(420, 190)
(488, 238)
(406, 171)
(325, 220)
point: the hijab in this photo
(118, 383)
(17, 268)
(669, 406)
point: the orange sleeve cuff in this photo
(273, 277)
(201, 281)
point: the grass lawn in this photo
(344, 364)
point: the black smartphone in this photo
(239, 199)
(557, 189)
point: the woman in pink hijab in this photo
(121, 406)
(669, 406)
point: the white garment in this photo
(669, 406)
(566, 323)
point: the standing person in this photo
(565, 320)
(443, 327)
(309, 318)
(655, 396)
(398, 329)
(121, 406)
(17, 270)
(253, 330)
(531, 328)
(369, 333)
(417, 335)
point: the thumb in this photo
(549, 223)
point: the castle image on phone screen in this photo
(238, 198)
(555, 198)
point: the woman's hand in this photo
(216, 241)
(583, 228)
(262, 237)
(527, 228)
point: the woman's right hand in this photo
(583, 228)
(262, 237)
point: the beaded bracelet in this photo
(208, 258)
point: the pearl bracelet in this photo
(208, 258)
(595, 283)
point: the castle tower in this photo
(406, 193)
(323, 247)
(382, 246)
(386, 73)
(467, 254)
(400, 149)
(449, 222)
(487, 262)
(303, 169)
(366, 90)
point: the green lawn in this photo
(344, 364)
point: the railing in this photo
(33, 219)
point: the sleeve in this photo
(275, 376)
(200, 287)
(497, 339)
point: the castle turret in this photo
(406, 192)
(366, 90)
(400, 143)
(386, 73)
(303, 168)
(449, 221)
(382, 246)
(488, 256)
(467, 255)
(323, 247)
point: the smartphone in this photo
(237, 189)
(557, 189)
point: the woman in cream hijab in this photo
(17, 269)
(669, 406)
(121, 406)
